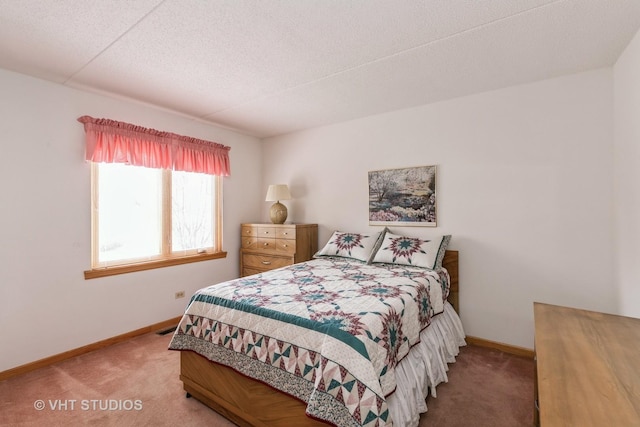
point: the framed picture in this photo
(403, 196)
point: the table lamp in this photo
(278, 212)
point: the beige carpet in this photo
(135, 383)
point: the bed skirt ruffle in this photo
(425, 367)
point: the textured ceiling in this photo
(271, 67)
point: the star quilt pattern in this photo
(328, 331)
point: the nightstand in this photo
(269, 246)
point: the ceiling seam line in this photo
(117, 39)
(365, 64)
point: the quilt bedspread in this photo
(328, 331)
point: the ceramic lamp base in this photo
(278, 213)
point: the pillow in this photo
(404, 250)
(350, 245)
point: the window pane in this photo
(129, 212)
(192, 211)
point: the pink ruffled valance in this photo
(110, 141)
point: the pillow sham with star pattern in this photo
(350, 245)
(426, 253)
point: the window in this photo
(145, 218)
(156, 198)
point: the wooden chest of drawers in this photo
(269, 246)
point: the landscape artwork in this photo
(404, 196)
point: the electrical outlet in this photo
(180, 294)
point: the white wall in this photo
(524, 184)
(46, 306)
(627, 176)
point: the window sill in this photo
(123, 269)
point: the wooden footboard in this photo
(250, 403)
(242, 400)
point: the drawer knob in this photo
(266, 244)
(286, 246)
(266, 262)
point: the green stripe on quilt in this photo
(336, 333)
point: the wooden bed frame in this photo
(248, 402)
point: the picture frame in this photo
(403, 196)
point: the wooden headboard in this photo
(450, 262)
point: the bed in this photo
(257, 351)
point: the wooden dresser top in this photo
(588, 367)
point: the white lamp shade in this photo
(277, 192)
